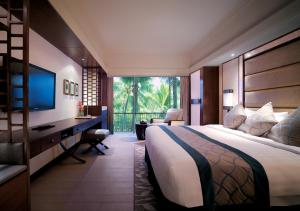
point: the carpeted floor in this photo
(144, 196)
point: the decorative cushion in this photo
(249, 112)
(97, 134)
(180, 114)
(172, 114)
(287, 131)
(260, 122)
(279, 116)
(235, 117)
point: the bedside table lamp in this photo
(228, 99)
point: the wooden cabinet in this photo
(205, 96)
(14, 193)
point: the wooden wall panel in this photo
(220, 94)
(279, 77)
(13, 193)
(278, 57)
(289, 110)
(241, 80)
(281, 98)
(281, 40)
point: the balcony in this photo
(125, 122)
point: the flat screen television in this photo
(41, 87)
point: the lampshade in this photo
(228, 98)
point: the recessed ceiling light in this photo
(82, 59)
(232, 55)
(248, 55)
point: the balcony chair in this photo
(173, 117)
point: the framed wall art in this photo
(66, 87)
(72, 88)
(76, 89)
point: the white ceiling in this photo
(161, 37)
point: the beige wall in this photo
(229, 80)
(195, 94)
(45, 55)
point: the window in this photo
(143, 98)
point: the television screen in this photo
(41, 88)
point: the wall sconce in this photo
(228, 99)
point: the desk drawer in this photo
(35, 148)
(49, 141)
(84, 126)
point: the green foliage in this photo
(143, 95)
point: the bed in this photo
(178, 173)
(199, 166)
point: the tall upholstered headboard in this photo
(274, 75)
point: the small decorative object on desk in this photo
(80, 108)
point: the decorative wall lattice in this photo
(91, 86)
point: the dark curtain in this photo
(185, 97)
(110, 103)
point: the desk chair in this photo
(95, 137)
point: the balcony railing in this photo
(125, 122)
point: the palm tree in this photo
(159, 100)
(140, 86)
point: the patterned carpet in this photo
(144, 196)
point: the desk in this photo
(42, 140)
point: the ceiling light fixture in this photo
(232, 55)
(248, 55)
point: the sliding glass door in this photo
(143, 98)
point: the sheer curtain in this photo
(110, 103)
(185, 97)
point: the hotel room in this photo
(149, 105)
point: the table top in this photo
(38, 134)
(139, 124)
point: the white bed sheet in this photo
(178, 177)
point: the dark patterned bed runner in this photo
(227, 175)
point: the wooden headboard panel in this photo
(274, 76)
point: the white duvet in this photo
(178, 177)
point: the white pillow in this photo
(249, 112)
(259, 122)
(287, 131)
(279, 116)
(172, 114)
(180, 114)
(235, 117)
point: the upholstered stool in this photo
(94, 137)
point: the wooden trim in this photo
(277, 42)
(278, 87)
(221, 94)
(14, 193)
(274, 68)
(241, 80)
(278, 107)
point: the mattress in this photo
(178, 176)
